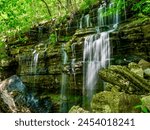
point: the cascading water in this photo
(73, 63)
(100, 18)
(81, 21)
(34, 62)
(96, 54)
(64, 95)
(87, 20)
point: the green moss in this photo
(77, 109)
(106, 102)
(53, 38)
(3, 54)
(69, 43)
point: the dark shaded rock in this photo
(114, 102)
(8, 67)
(10, 90)
(15, 97)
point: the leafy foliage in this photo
(17, 16)
(53, 38)
(142, 6)
(87, 4)
(142, 107)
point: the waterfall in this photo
(64, 96)
(81, 21)
(73, 63)
(113, 17)
(73, 58)
(35, 61)
(100, 17)
(87, 20)
(96, 55)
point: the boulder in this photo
(135, 68)
(10, 91)
(125, 79)
(144, 64)
(147, 72)
(15, 97)
(114, 102)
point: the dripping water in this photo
(73, 63)
(81, 21)
(35, 62)
(64, 83)
(87, 20)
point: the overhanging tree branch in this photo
(47, 7)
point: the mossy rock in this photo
(135, 68)
(146, 102)
(114, 102)
(77, 109)
(127, 80)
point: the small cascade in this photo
(116, 16)
(64, 84)
(40, 33)
(81, 21)
(73, 63)
(100, 17)
(34, 62)
(112, 18)
(87, 20)
(68, 82)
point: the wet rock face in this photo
(39, 65)
(114, 102)
(131, 41)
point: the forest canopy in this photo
(20, 15)
(16, 15)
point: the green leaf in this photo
(144, 109)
